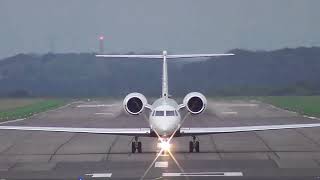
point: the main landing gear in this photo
(136, 145)
(194, 145)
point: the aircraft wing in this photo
(218, 130)
(111, 131)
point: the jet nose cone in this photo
(166, 126)
(163, 128)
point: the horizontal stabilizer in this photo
(173, 56)
(196, 55)
(131, 56)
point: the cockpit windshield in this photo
(170, 113)
(159, 113)
(165, 113)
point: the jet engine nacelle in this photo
(134, 103)
(195, 102)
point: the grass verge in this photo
(307, 105)
(31, 109)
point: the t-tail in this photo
(164, 56)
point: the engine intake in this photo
(134, 103)
(195, 102)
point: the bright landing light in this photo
(164, 145)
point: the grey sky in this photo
(149, 25)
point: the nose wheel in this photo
(136, 146)
(194, 145)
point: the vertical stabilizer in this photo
(164, 75)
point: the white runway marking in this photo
(311, 117)
(237, 104)
(230, 112)
(65, 106)
(104, 114)
(16, 120)
(100, 175)
(203, 174)
(245, 105)
(97, 105)
(161, 164)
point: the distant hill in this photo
(281, 72)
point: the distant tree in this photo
(280, 72)
(19, 93)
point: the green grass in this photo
(11, 103)
(308, 105)
(29, 109)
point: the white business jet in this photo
(164, 120)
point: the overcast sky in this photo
(205, 26)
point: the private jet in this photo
(165, 121)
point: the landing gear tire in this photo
(139, 147)
(191, 146)
(197, 148)
(133, 147)
(194, 145)
(136, 146)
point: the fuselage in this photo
(164, 118)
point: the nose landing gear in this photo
(136, 145)
(194, 145)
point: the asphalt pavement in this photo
(273, 154)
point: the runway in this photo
(276, 154)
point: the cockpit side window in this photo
(159, 113)
(170, 113)
(175, 113)
(153, 113)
